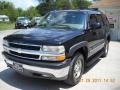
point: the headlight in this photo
(57, 53)
(25, 24)
(5, 43)
(54, 49)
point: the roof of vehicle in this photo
(22, 18)
(89, 11)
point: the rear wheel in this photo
(76, 70)
(105, 49)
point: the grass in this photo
(6, 26)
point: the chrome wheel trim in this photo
(77, 68)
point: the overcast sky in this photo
(24, 4)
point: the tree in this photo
(62, 4)
(7, 8)
(77, 4)
(44, 7)
(47, 5)
(6, 5)
(31, 12)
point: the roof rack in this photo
(94, 9)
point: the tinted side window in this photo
(92, 19)
(99, 19)
(105, 20)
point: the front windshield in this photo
(64, 19)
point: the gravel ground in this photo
(105, 75)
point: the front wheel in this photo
(76, 70)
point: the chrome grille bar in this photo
(25, 44)
(24, 57)
(32, 52)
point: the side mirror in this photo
(96, 26)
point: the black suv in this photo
(61, 48)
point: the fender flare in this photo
(77, 46)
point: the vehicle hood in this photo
(43, 36)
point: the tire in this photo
(105, 49)
(76, 70)
(16, 27)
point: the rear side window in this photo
(92, 19)
(105, 20)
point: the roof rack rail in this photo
(94, 9)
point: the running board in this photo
(94, 59)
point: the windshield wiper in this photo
(62, 26)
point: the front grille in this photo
(24, 50)
(24, 55)
(18, 24)
(21, 46)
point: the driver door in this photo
(92, 35)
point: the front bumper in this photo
(22, 25)
(57, 71)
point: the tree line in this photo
(7, 8)
(47, 5)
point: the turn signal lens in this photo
(60, 58)
(54, 58)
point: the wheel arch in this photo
(82, 48)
